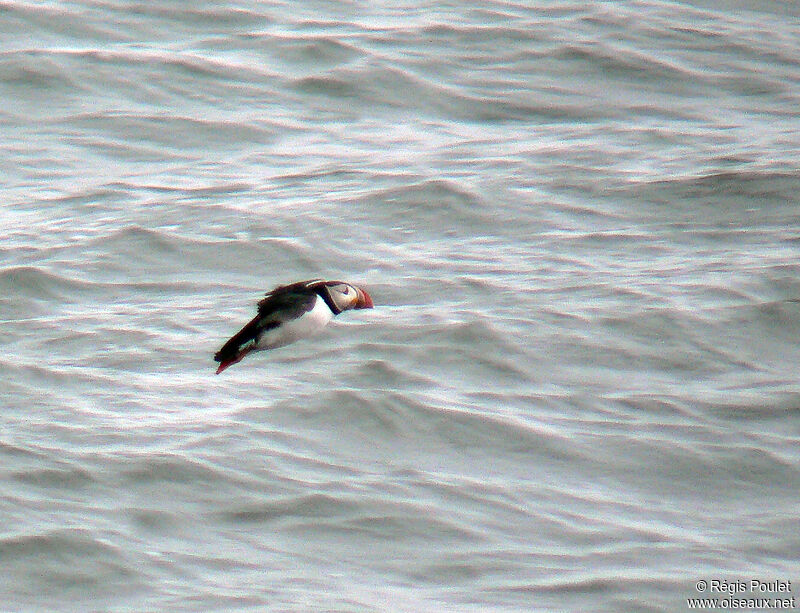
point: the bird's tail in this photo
(239, 345)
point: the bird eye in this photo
(346, 290)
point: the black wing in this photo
(292, 300)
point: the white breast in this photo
(308, 324)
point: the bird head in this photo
(346, 296)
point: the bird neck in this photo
(325, 294)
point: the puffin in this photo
(291, 312)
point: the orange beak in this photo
(364, 301)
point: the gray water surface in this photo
(579, 224)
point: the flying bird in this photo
(289, 313)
